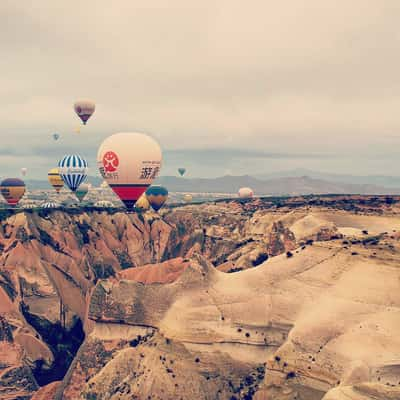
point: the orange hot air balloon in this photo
(12, 190)
(129, 163)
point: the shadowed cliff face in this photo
(154, 303)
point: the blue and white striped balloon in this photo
(51, 205)
(73, 170)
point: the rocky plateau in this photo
(265, 299)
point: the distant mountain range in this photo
(379, 180)
(292, 185)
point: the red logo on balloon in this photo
(110, 161)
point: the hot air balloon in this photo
(187, 198)
(157, 195)
(182, 171)
(82, 191)
(55, 179)
(245, 193)
(73, 170)
(24, 171)
(129, 162)
(29, 206)
(12, 190)
(143, 203)
(77, 129)
(104, 204)
(51, 204)
(56, 136)
(84, 109)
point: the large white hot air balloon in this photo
(129, 163)
(84, 109)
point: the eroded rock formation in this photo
(311, 313)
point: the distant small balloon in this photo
(104, 204)
(84, 109)
(187, 198)
(182, 171)
(24, 171)
(56, 136)
(82, 191)
(245, 193)
(77, 130)
(51, 204)
(104, 185)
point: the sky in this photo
(225, 86)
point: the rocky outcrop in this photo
(313, 329)
(311, 314)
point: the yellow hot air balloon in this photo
(55, 179)
(143, 203)
(12, 190)
(187, 198)
(77, 130)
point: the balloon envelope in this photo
(84, 109)
(245, 193)
(143, 203)
(181, 171)
(24, 171)
(73, 170)
(56, 136)
(157, 196)
(82, 191)
(51, 204)
(55, 179)
(12, 190)
(187, 198)
(104, 204)
(129, 163)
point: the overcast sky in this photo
(226, 87)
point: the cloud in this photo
(278, 78)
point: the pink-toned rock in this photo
(47, 392)
(166, 272)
